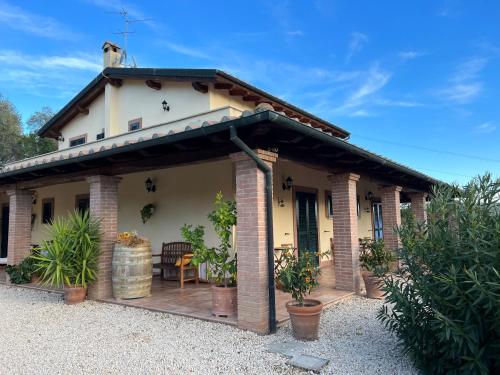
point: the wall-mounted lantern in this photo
(165, 105)
(288, 183)
(150, 187)
(34, 197)
(369, 196)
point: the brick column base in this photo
(251, 236)
(20, 210)
(104, 206)
(345, 231)
(391, 215)
(418, 206)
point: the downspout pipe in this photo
(269, 222)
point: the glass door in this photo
(378, 232)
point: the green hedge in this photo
(444, 305)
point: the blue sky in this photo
(414, 81)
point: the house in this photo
(192, 133)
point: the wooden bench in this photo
(171, 253)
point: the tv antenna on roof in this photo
(125, 33)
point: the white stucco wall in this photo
(64, 202)
(183, 195)
(91, 124)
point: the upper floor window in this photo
(100, 135)
(79, 140)
(135, 124)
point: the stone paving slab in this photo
(288, 349)
(308, 362)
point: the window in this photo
(76, 141)
(82, 202)
(328, 204)
(47, 210)
(135, 124)
(100, 136)
(378, 232)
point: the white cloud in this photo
(187, 50)
(464, 84)
(462, 93)
(47, 76)
(18, 19)
(80, 61)
(485, 128)
(410, 55)
(356, 43)
(469, 69)
(375, 80)
(295, 33)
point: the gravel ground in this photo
(41, 335)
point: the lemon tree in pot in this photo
(375, 261)
(299, 276)
(69, 258)
(221, 265)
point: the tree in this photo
(10, 130)
(32, 144)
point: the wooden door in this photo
(306, 222)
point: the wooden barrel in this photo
(132, 271)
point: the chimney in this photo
(112, 55)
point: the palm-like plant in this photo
(70, 255)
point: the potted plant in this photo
(375, 261)
(298, 276)
(69, 257)
(221, 265)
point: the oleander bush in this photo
(444, 305)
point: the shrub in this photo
(445, 305)
(374, 256)
(70, 256)
(21, 273)
(221, 267)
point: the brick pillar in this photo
(345, 231)
(104, 206)
(253, 297)
(20, 210)
(391, 215)
(418, 206)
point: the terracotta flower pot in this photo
(305, 318)
(224, 300)
(35, 279)
(373, 285)
(74, 294)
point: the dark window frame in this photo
(78, 138)
(131, 123)
(79, 198)
(50, 218)
(328, 204)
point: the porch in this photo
(325, 203)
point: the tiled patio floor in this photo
(195, 301)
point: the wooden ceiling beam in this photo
(238, 92)
(83, 111)
(251, 98)
(223, 86)
(155, 85)
(200, 87)
(116, 82)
